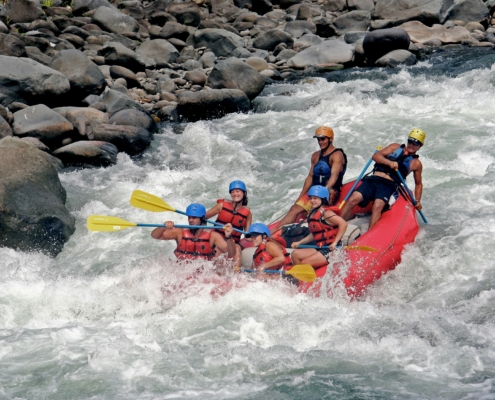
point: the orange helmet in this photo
(324, 131)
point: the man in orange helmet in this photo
(328, 167)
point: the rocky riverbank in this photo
(82, 81)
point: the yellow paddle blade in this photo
(364, 248)
(149, 202)
(303, 272)
(102, 223)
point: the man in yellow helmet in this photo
(328, 166)
(380, 186)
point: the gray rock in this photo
(196, 76)
(38, 144)
(363, 5)
(257, 63)
(5, 129)
(270, 39)
(131, 139)
(42, 123)
(35, 54)
(133, 118)
(83, 119)
(352, 21)
(159, 50)
(241, 52)
(115, 21)
(190, 65)
(168, 113)
(209, 104)
(87, 153)
(27, 81)
(208, 59)
(235, 74)
(298, 28)
(420, 33)
(18, 11)
(353, 37)
(286, 54)
(425, 11)
(219, 41)
(84, 76)
(79, 7)
(117, 71)
(382, 41)
(174, 30)
(187, 13)
(117, 54)
(3, 28)
(11, 46)
(465, 10)
(308, 40)
(116, 101)
(265, 22)
(165, 84)
(335, 5)
(329, 51)
(397, 57)
(33, 216)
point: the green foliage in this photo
(47, 3)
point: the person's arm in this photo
(214, 210)
(305, 240)
(249, 220)
(335, 220)
(418, 181)
(336, 163)
(167, 233)
(276, 252)
(379, 156)
(231, 250)
(309, 179)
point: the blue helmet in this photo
(196, 210)
(319, 191)
(258, 227)
(237, 185)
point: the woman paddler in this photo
(235, 212)
(326, 228)
(269, 253)
(197, 243)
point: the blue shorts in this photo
(376, 187)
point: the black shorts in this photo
(376, 187)
(326, 252)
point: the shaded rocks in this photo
(160, 51)
(116, 101)
(426, 11)
(208, 104)
(114, 21)
(382, 41)
(397, 57)
(133, 118)
(236, 74)
(221, 42)
(329, 51)
(271, 39)
(11, 46)
(131, 139)
(22, 10)
(33, 216)
(420, 33)
(88, 154)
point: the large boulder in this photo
(219, 41)
(84, 76)
(233, 73)
(21, 10)
(382, 41)
(298, 28)
(329, 51)
(42, 123)
(116, 53)
(159, 50)
(208, 104)
(5, 129)
(133, 118)
(271, 39)
(11, 46)
(420, 33)
(79, 7)
(396, 58)
(116, 101)
(87, 153)
(33, 216)
(352, 21)
(131, 139)
(426, 11)
(187, 13)
(27, 81)
(114, 21)
(465, 10)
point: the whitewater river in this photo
(113, 317)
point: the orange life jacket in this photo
(262, 256)
(237, 218)
(323, 233)
(193, 247)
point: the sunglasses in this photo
(414, 142)
(321, 139)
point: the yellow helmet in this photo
(418, 134)
(324, 131)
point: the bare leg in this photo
(289, 218)
(353, 201)
(316, 260)
(300, 254)
(237, 258)
(376, 211)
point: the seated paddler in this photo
(326, 229)
(384, 182)
(197, 243)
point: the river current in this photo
(114, 316)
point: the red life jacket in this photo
(261, 256)
(237, 218)
(193, 247)
(323, 233)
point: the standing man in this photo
(384, 182)
(328, 167)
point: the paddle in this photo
(150, 202)
(358, 179)
(363, 248)
(303, 272)
(103, 223)
(411, 196)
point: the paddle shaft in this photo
(358, 179)
(181, 226)
(411, 196)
